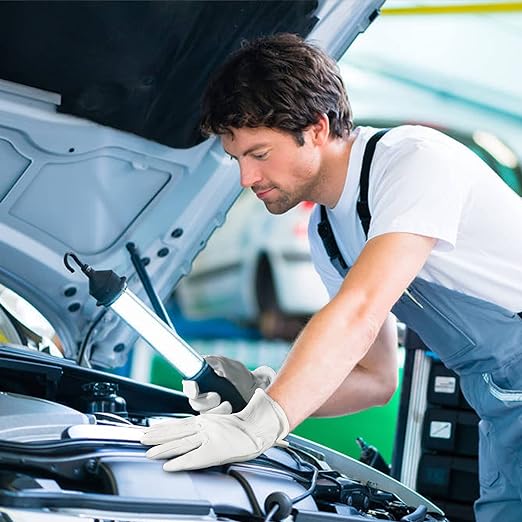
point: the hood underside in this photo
(136, 66)
(100, 141)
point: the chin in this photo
(276, 210)
(278, 207)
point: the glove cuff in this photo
(266, 414)
(283, 419)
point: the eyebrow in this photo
(249, 150)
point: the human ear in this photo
(320, 130)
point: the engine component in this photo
(103, 397)
(25, 419)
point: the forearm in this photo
(373, 381)
(328, 349)
(362, 389)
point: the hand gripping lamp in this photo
(110, 290)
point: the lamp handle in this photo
(208, 380)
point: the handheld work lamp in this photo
(110, 290)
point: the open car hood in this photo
(100, 142)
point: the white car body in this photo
(254, 258)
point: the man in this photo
(423, 229)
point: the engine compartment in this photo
(69, 442)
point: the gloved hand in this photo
(245, 381)
(210, 440)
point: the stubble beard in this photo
(284, 203)
(280, 206)
(303, 192)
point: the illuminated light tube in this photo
(158, 334)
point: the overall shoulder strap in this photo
(330, 244)
(324, 228)
(363, 209)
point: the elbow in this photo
(387, 396)
(387, 388)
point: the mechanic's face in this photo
(280, 171)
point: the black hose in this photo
(313, 480)
(83, 346)
(256, 508)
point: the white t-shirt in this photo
(423, 182)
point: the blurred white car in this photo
(256, 270)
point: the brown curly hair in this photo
(280, 82)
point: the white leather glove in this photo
(211, 440)
(245, 381)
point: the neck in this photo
(334, 170)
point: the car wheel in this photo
(272, 322)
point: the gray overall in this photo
(480, 341)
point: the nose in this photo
(248, 174)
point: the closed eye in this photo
(260, 156)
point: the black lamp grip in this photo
(208, 380)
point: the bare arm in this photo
(373, 381)
(339, 336)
